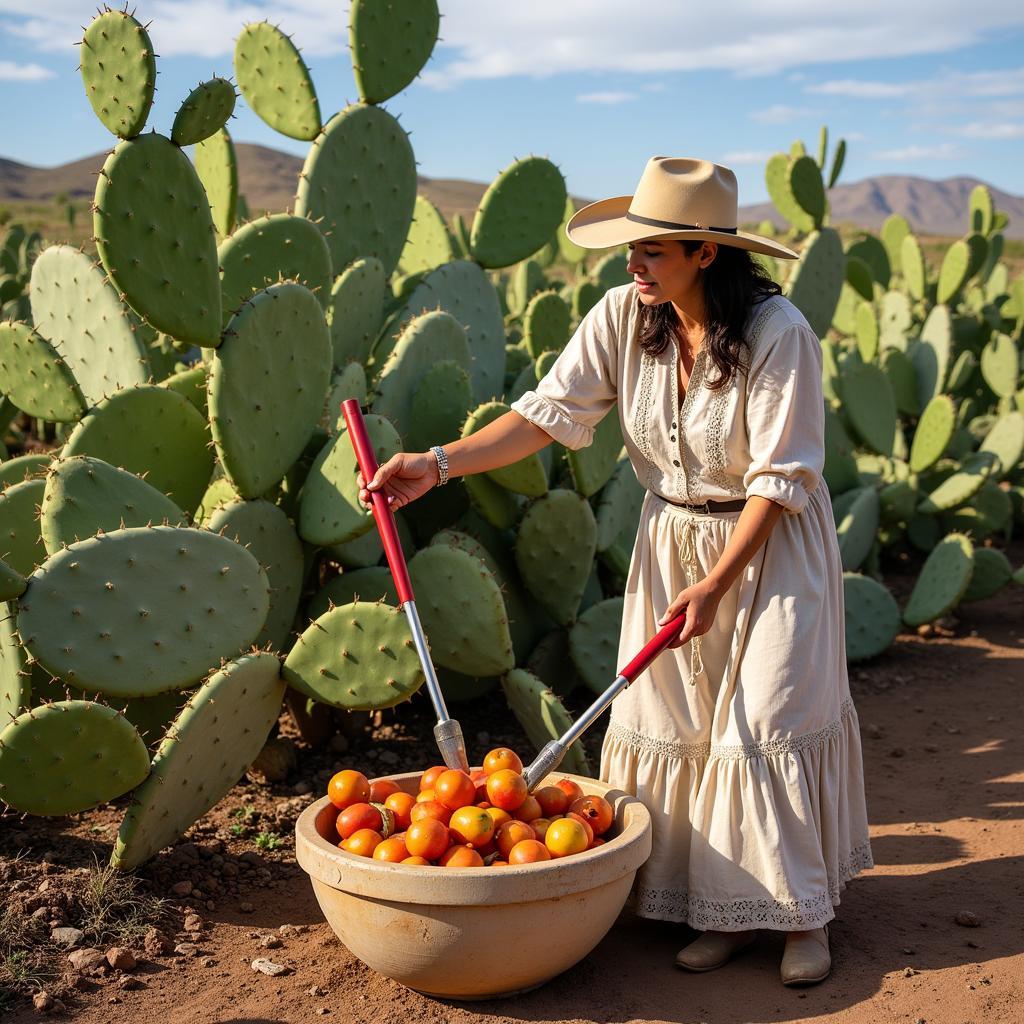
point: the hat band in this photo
(653, 222)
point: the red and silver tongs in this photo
(551, 756)
(447, 732)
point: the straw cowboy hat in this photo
(678, 197)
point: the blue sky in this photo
(927, 88)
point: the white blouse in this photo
(763, 433)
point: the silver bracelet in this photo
(442, 464)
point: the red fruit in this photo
(427, 838)
(454, 789)
(401, 805)
(392, 850)
(506, 789)
(510, 833)
(502, 758)
(586, 825)
(348, 787)
(597, 811)
(358, 816)
(461, 857)
(552, 800)
(381, 790)
(430, 809)
(528, 810)
(362, 843)
(529, 851)
(570, 789)
(429, 777)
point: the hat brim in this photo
(603, 225)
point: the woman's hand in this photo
(701, 603)
(403, 478)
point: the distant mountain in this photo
(268, 179)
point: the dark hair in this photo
(733, 282)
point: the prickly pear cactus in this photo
(390, 44)
(204, 111)
(217, 167)
(943, 580)
(872, 617)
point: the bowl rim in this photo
(516, 883)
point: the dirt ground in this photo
(943, 726)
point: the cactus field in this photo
(191, 595)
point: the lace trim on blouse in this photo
(640, 743)
(736, 915)
(642, 425)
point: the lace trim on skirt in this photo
(642, 744)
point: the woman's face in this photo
(672, 274)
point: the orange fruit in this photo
(461, 857)
(510, 833)
(416, 860)
(596, 842)
(502, 759)
(429, 777)
(362, 843)
(430, 809)
(471, 825)
(400, 805)
(348, 787)
(506, 789)
(479, 777)
(498, 816)
(540, 826)
(598, 812)
(358, 816)
(528, 810)
(427, 838)
(381, 790)
(570, 789)
(565, 837)
(327, 820)
(424, 795)
(499, 863)
(584, 822)
(529, 851)
(552, 800)
(454, 789)
(392, 849)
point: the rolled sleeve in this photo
(785, 414)
(582, 384)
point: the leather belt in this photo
(706, 507)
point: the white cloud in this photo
(746, 156)
(859, 89)
(942, 151)
(605, 97)
(991, 130)
(779, 113)
(11, 72)
(1000, 82)
(536, 38)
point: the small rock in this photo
(909, 950)
(156, 943)
(275, 762)
(909, 972)
(182, 888)
(193, 923)
(188, 850)
(302, 788)
(316, 991)
(186, 949)
(246, 907)
(121, 959)
(292, 929)
(114, 999)
(268, 967)
(42, 912)
(322, 1011)
(42, 1002)
(973, 945)
(208, 961)
(86, 960)
(129, 982)
(931, 748)
(967, 919)
(67, 937)
(43, 885)
(271, 942)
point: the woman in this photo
(741, 738)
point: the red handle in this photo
(360, 439)
(654, 647)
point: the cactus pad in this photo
(156, 239)
(80, 315)
(943, 579)
(150, 431)
(869, 402)
(594, 643)
(205, 111)
(69, 756)
(212, 742)
(374, 583)
(269, 249)
(817, 279)
(1000, 364)
(856, 514)
(12, 585)
(912, 264)
(546, 324)
(593, 465)
(357, 657)
(21, 544)
(360, 177)
(619, 504)
(85, 496)
(933, 433)
(462, 610)
(143, 610)
(35, 378)
(355, 310)
(955, 269)
(1006, 441)
(217, 167)
(495, 504)
(872, 617)
(555, 551)
(269, 535)
(428, 244)
(807, 188)
(542, 715)
(991, 572)
(265, 394)
(119, 72)
(329, 511)
(962, 485)
(275, 81)
(390, 44)
(439, 406)
(525, 476)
